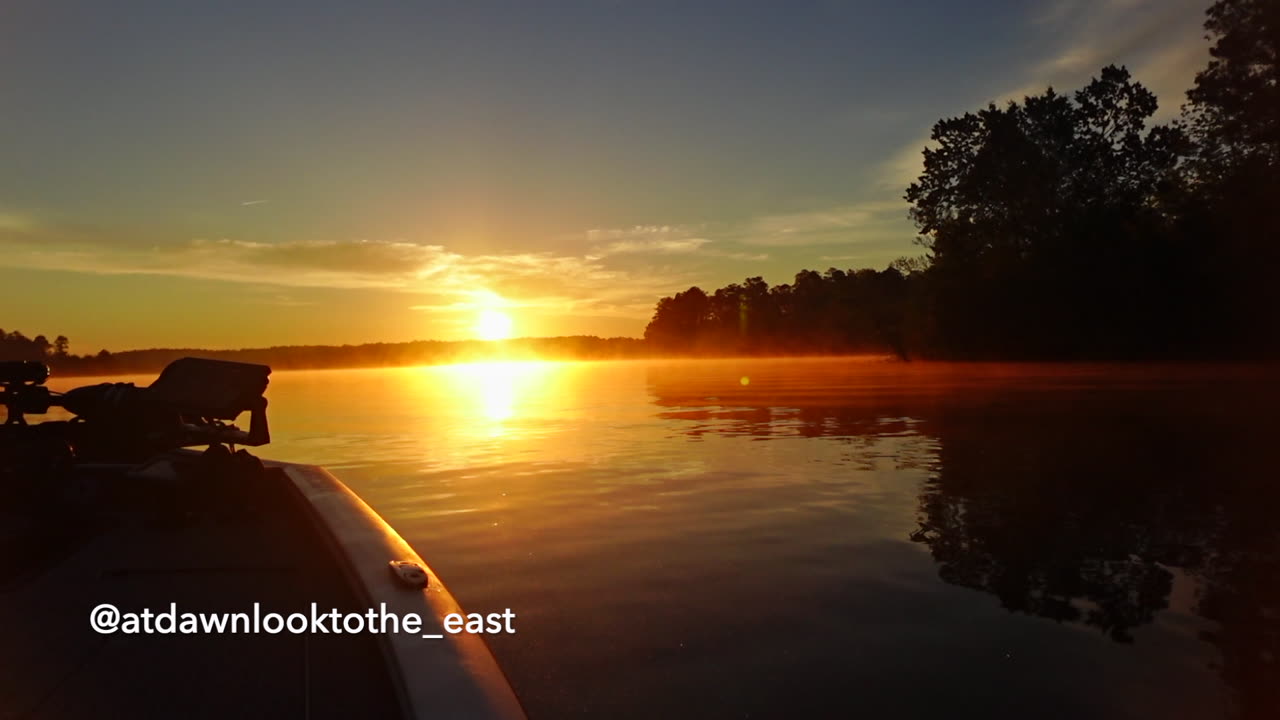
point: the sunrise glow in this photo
(493, 325)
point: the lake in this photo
(834, 537)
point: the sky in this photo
(224, 174)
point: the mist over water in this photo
(832, 537)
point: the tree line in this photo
(16, 346)
(1059, 227)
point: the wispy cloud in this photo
(1161, 42)
(869, 221)
(660, 245)
(636, 231)
(12, 223)
(247, 203)
(874, 226)
(743, 256)
(663, 245)
(903, 168)
(672, 240)
(528, 279)
(651, 239)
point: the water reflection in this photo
(490, 387)
(832, 538)
(1097, 498)
(493, 394)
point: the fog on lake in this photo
(832, 537)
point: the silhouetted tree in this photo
(16, 346)
(1045, 222)
(1235, 104)
(836, 311)
(677, 320)
(1234, 114)
(1061, 227)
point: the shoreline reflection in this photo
(1074, 497)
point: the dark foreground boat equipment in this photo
(191, 403)
(111, 506)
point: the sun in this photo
(493, 325)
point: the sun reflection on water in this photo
(494, 394)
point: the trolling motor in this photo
(22, 389)
(192, 402)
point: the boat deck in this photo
(175, 533)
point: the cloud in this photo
(872, 221)
(743, 256)
(1052, 13)
(654, 245)
(692, 240)
(16, 224)
(367, 260)
(874, 225)
(1162, 44)
(447, 280)
(635, 231)
(903, 167)
(868, 221)
(654, 239)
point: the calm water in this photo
(832, 538)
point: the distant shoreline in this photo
(154, 366)
(318, 357)
(582, 348)
(419, 354)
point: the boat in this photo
(144, 505)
